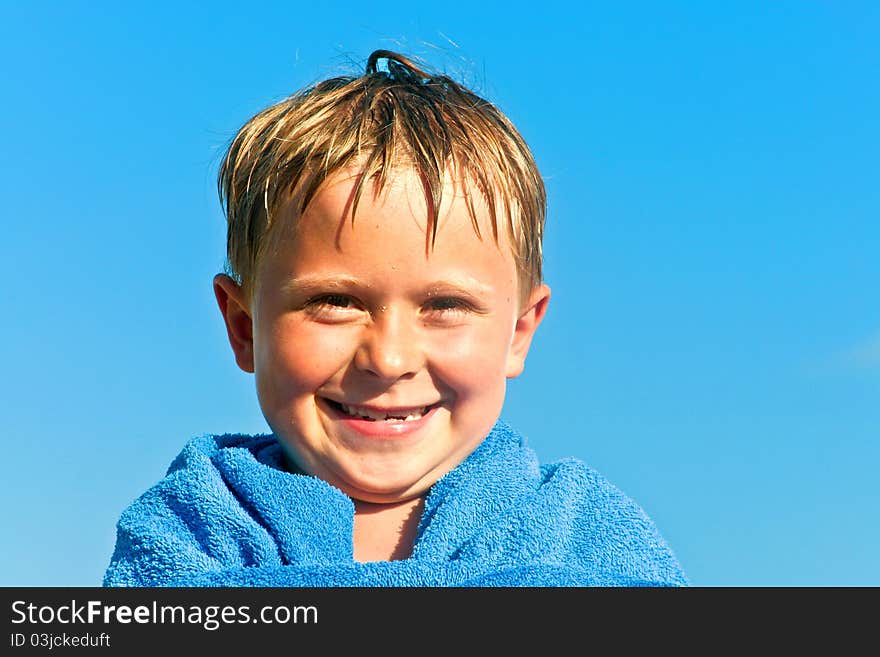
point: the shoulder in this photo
(203, 464)
(203, 450)
(594, 488)
(190, 520)
(610, 532)
(198, 474)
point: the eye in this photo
(332, 306)
(447, 309)
(334, 300)
(446, 303)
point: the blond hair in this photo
(401, 116)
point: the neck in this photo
(385, 532)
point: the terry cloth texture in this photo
(228, 513)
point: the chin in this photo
(384, 491)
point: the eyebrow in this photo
(465, 285)
(300, 284)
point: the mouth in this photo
(374, 414)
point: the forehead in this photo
(391, 225)
(343, 198)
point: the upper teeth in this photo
(404, 414)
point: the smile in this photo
(373, 414)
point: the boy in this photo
(384, 281)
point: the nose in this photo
(390, 348)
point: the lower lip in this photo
(380, 428)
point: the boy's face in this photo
(380, 363)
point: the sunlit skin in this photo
(361, 318)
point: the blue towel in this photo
(228, 513)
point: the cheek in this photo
(293, 360)
(473, 362)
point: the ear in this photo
(237, 316)
(526, 325)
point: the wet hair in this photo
(388, 118)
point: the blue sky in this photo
(713, 341)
